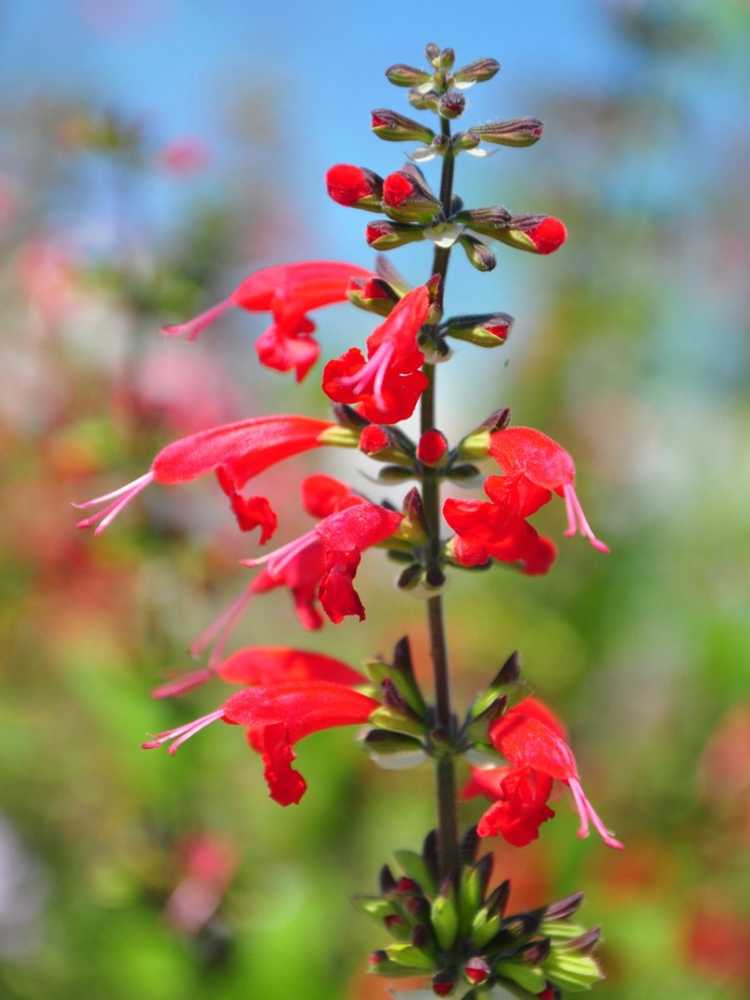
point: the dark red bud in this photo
(476, 970)
(432, 447)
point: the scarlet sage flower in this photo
(236, 452)
(534, 467)
(276, 717)
(264, 666)
(487, 530)
(317, 568)
(354, 187)
(534, 743)
(388, 385)
(288, 292)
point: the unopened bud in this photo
(452, 104)
(381, 741)
(447, 58)
(423, 100)
(409, 957)
(355, 187)
(478, 254)
(475, 445)
(413, 507)
(476, 970)
(373, 295)
(389, 235)
(443, 984)
(465, 140)
(395, 127)
(483, 330)
(432, 448)
(374, 439)
(444, 917)
(517, 132)
(432, 51)
(407, 197)
(401, 75)
(542, 234)
(491, 221)
(478, 71)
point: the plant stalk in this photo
(445, 766)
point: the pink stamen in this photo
(577, 519)
(193, 327)
(373, 373)
(120, 499)
(218, 631)
(181, 734)
(586, 811)
(581, 806)
(280, 558)
(181, 685)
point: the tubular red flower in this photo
(266, 666)
(240, 450)
(288, 292)
(533, 741)
(493, 531)
(275, 718)
(324, 495)
(534, 467)
(388, 385)
(341, 538)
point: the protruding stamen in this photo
(181, 734)
(577, 519)
(120, 499)
(218, 631)
(181, 685)
(586, 811)
(372, 373)
(280, 558)
(193, 327)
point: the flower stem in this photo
(445, 767)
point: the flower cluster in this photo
(445, 921)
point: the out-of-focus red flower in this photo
(184, 156)
(716, 942)
(534, 742)
(388, 385)
(275, 718)
(240, 450)
(288, 292)
(534, 467)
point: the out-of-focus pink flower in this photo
(717, 942)
(45, 275)
(208, 866)
(183, 157)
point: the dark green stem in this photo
(445, 768)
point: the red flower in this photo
(276, 717)
(236, 452)
(388, 385)
(545, 233)
(494, 531)
(534, 742)
(317, 568)
(264, 666)
(288, 292)
(534, 467)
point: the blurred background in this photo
(153, 152)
